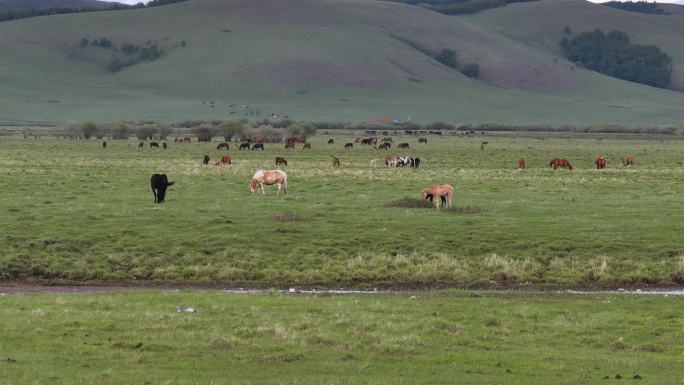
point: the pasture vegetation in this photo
(73, 211)
(415, 338)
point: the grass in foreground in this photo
(434, 338)
(73, 211)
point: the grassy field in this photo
(73, 211)
(419, 338)
(350, 60)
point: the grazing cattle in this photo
(141, 145)
(154, 145)
(335, 161)
(159, 183)
(165, 146)
(280, 161)
(289, 145)
(600, 163)
(223, 146)
(562, 163)
(521, 163)
(268, 177)
(385, 146)
(331, 141)
(243, 146)
(403, 145)
(104, 144)
(206, 160)
(445, 193)
(349, 145)
(422, 140)
(483, 145)
(258, 146)
(307, 146)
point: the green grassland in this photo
(434, 338)
(73, 211)
(350, 60)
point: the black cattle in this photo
(331, 141)
(205, 160)
(258, 146)
(141, 145)
(165, 146)
(104, 144)
(349, 145)
(154, 145)
(159, 183)
(243, 145)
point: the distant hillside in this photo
(342, 60)
(48, 4)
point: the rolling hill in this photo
(349, 60)
(47, 4)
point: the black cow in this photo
(159, 183)
(258, 146)
(104, 144)
(243, 145)
(331, 141)
(205, 160)
(349, 145)
(154, 145)
(141, 145)
(165, 146)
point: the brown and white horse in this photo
(437, 193)
(268, 177)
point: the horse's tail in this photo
(285, 182)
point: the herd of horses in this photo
(564, 164)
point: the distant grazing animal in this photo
(225, 159)
(422, 140)
(159, 183)
(187, 139)
(268, 177)
(141, 145)
(629, 161)
(349, 145)
(104, 144)
(390, 161)
(307, 146)
(280, 161)
(403, 145)
(387, 140)
(331, 141)
(416, 162)
(223, 146)
(335, 161)
(385, 146)
(372, 163)
(205, 160)
(483, 145)
(521, 163)
(258, 146)
(562, 163)
(600, 163)
(289, 145)
(365, 142)
(405, 161)
(178, 139)
(445, 193)
(165, 146)
(243, 146)
(154, 145)
(358, 140)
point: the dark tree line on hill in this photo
(26, 13)
(131, 54)
(461, 7)
(614, 55)
(637, 6)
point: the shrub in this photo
(446, 57)
(119, 130)
(471, 70)
(231, 128)
(146, 131)
(204, 132)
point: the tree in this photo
(89, 129)
(119, 130)
(84, 42)
(146, 131)
(302, 129)
(204, 132)
(471, 70)
(231, 128)
(164, 130)
(447, 57)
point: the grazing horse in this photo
(629, 161)
(223, 146)
(104, 144)
(225, 159)
(159, 183)
(205, 160)
(268, 177)
(289, 145)
(403, 145)
(258, 146)
(365, 142)
(307, 146)
(335, 161)
(390, 161)
(331, 141)
(280, 161)
(243, 146)
(349, 145)
(445, 193)
(178, 139)
(600, 163)
(483, 145)
(562, 163)
(165, 145)
(187, 139)
(521, 163)
(385, 146)
(154, 145)
(141, 145)
(422, 140)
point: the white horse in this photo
(268, 177)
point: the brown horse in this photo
(385, 146)
(280, 161)
(335, 161)
(521, 163)
(562, 163)
(390, 161)
(629, 161)
(307, 146)
(600, 163)
(403, 145)
(483, 145)
(268, 177)
(444, 192)
(225, 159)
(289, 145)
